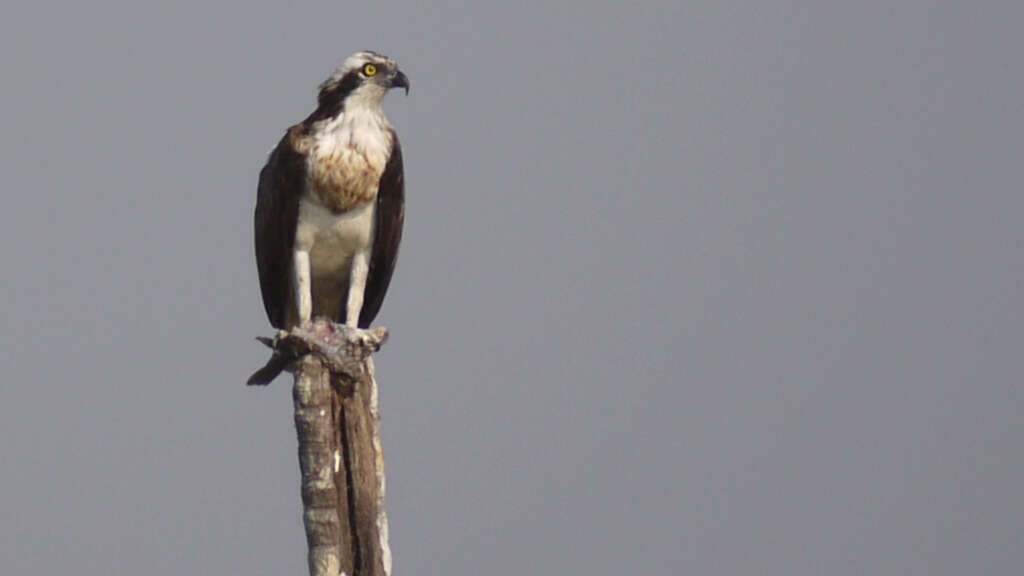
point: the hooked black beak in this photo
(400, 80)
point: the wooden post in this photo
(340, 459)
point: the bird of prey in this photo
(330, 205)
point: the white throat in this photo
(362, 126)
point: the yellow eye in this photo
(370, 70)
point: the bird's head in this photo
(362, 80)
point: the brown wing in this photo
(390, 214)
(277, 214)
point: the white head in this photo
(362, 80)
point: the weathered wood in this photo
(366, 475)
(315, 423)
(337, 420)
(381, 514)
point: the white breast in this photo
(332, 241)
(363, 132)
(332, 238)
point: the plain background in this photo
(686, 287)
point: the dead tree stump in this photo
(340, 459)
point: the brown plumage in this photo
(331, 203)
(281, 186)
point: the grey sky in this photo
(686, 288)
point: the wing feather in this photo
(389, 217)
(277, 214)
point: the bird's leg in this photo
(356, 287)
(303, 286)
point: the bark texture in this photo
(340, 459)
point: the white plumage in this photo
(333, 250)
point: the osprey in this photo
(330, 205)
